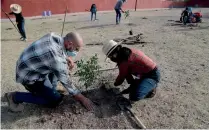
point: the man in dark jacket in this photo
(118, 10)
(186, 15)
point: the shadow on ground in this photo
(103, 98)
(5, 40)
(174, 23)
(97, 26)
(69, 22)
(194, 28)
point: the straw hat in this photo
(16, 8)
(110, 47)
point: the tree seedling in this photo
(88, 71)
(127, 15)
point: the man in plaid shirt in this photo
(40, 67)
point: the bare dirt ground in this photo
(181, 52)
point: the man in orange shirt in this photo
(133, 62)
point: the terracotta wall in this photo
(36, 7)
(200, 3)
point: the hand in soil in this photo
(85, 101)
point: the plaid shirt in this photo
(44, 56)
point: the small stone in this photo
(42, 120)
(183, 116)
(202, 64)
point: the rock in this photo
(41, 120)
(202, 64)
(144, 18)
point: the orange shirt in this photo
(138, 64)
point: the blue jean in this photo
(21, 27)
(141, 88)
(118, 16)
(41, 93)
(95, 14)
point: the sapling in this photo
(127, 15)
(88, 70)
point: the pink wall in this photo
(36, 7)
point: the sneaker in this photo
(24, 39)
(15, 107)
(21, 38)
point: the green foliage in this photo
(126, 14)
(88, 71)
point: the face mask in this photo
(72, 53)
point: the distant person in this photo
(39, 68)
(118, 10)
(133, 62)
(186, 15)
(93, 12)
(17, 11)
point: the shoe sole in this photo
(7, 98)
(151, 94)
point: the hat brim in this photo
(15, 11)
(112, 50)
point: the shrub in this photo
(88, 71)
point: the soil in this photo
(182, 98)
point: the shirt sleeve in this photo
(60, 68)
(129, 79)
(123, 73)
(120, 5)
(61, 71)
